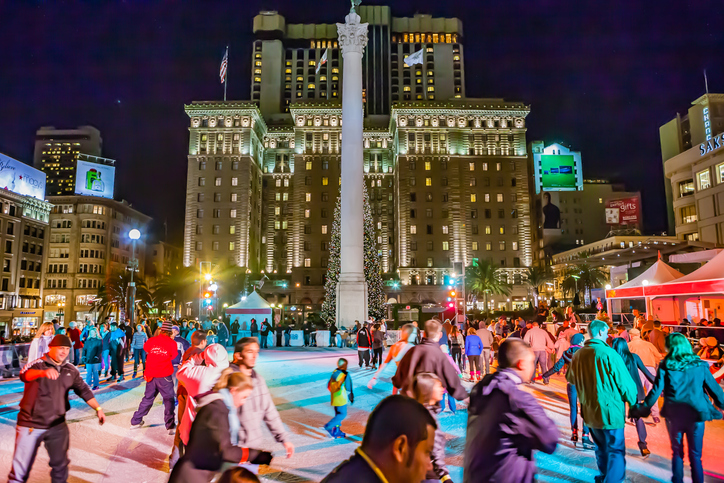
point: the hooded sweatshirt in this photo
(505, 426)
(199, 380)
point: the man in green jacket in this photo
(604, 386)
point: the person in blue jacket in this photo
(688, 386)
(634, 364)
(473, 349)
(576, 343)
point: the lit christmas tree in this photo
(373, 273)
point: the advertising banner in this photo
(558, 171)
(624, 211)
(94, 179)
(20, 178)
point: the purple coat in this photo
(505, 425)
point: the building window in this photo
(308, 165)
(502, 230)
(472, 166)
(515, 246)
(686, 188)
(488, 246)
(500, 197)
(308, 197)
(232, 229)
(445, 246)
(231, 246)
(430, 263)
(325, 181)
(428, 181)
(688, 214)
(473, 198)
(217, 181)
(324, 229)
(202, 181)
(413, 229)
(234, 181)
(704, 179)
(307, 262)
(501, 245)
(232, 213)
(307, 213)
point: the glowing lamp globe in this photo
(134, 234)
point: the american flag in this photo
(224, 63)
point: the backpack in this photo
(334, 385)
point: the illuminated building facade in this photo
(57, 151)
(447, 176)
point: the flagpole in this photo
(226, 76)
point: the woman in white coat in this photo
(39, 345)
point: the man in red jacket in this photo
(160, 352)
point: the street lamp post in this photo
(133, 263)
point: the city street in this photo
(297, 379)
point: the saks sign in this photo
(711, 145)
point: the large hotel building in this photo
(447, 175)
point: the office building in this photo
(56, 154)
(88, 245)
(286, 57)
(447, 176)
(703, 121)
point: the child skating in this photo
(340, 387)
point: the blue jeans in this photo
(542, 358)
(76, 357)
(573, 404)
(139, 355)
(287, 338)
(450, 402)
(694, 440)
(340, 412)
(610, 454)
(91, 375)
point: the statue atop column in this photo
(355, 3)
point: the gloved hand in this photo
(351, 398)
(258, 457)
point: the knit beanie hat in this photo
(216, 355)
(60, 340)
(577, 339)
(167, 325)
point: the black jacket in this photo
(235, 327)
(428, 357)
(354, 470)
(254, 328)
(45, 401)
(92, 350)
(209, 446)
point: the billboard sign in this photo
(558, 171)
(20, 178)
(94, 179)
(624, 211)
(557, 168)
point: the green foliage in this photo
(113, 296)
(589, 278)
(329, 307)
(483, 278)
(536, 276)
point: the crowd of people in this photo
(215, 401)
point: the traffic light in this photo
(207, 295)
(451, 305)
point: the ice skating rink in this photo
(297, 378)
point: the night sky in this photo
(601, 78)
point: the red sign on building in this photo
(624, 211)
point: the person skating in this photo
(505, 423)
(378, 345)
(41, 418)
(541, 345)
(651, 357)
(182, 345)
(234, 331)
(265, 329)
(635, 367)
(259, 406)
(364, 344)
(473, 350)
(222, 332)
(213, 441)
(254, 328)
(332, 335)
(428, 391)
(160, 351)
(39, 346)
(340, 387)
(74, 335)
(399, 437)
(408, 336)
(92, 352)
(457, 347)
(427, 357)
(127, 328)
(139, 355)
(197, 375)
(116, 343)
(198, 344)
(565, 360)
(688, 389)
(486, 339)
(602, 381)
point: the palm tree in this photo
(484, 278)
(113, 296)
(583, 277)
(178, 286)
(535, 277)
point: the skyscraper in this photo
(56, 154)
(447, 176)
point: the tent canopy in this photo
(252, 304)
(709, 279)
(656, 274)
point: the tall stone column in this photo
(352, 287)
